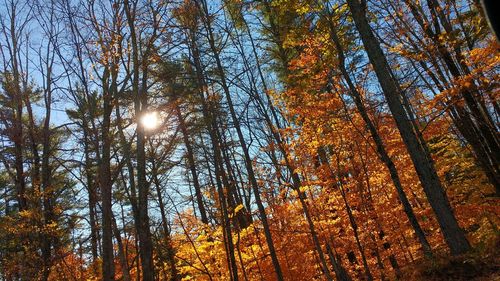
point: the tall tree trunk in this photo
(248, 160)
(220, 177)
(191, 163)
(314, 234)
(477, 126)
(169, 249)
(379, 144)
(92, 195)
(296, 182)
(144, 233)
(141, 107)
(17, 126)
(340, 272)
(121, 252)
(337, 178)
(47, 175)
(108, 268)
(417, 147)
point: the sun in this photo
(150, 120)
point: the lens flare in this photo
(150, 120)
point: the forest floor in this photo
(480, 265)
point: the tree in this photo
(416, 145)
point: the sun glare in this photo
(150, 120)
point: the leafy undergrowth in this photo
(482, 264)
